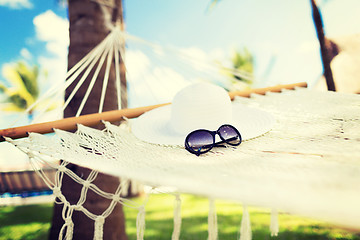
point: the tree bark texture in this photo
(88, 19)
(325, 55)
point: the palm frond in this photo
(29, 77)
(24, 88)
(23, 80)
(3, 88)
(11, 76)
(243, 60)
(10, 107)
(19, 101)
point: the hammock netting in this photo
(308, 164)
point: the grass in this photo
(25, 222)
(33, 222)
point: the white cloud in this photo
(58, 49)
(16, 4)
(307, 47)
(198, 58)
(54, 30)
(56, 68)
(25, 54)
(152, 80)
(150, 83)
(136, 63)
(169, 82)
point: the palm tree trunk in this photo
(88, 19)
(325, 56)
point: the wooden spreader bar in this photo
(69, 124)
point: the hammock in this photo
(308, 164)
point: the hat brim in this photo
(154, 126)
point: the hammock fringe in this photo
(212, 221)
(177, 218)
(245, 227)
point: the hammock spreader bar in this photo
(95, 119)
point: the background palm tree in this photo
(240, 73)
(327, 49)
(243, 60)
(22, 89)
(325, 46)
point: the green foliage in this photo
(23, 82)
(33, 222)
(244, 61)
(18, 101)
(29, 76)
(240, 72)
(22, 89)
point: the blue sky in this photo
(18, 30)
(279, 33)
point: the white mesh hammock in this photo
(308, 164)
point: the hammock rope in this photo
(245, 227)
(274, 223)
(212, 221)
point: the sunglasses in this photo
(202, 140)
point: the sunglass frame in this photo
(213, 134)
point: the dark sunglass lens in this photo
(230, 135)
(200, 141)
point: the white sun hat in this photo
(199, 106)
